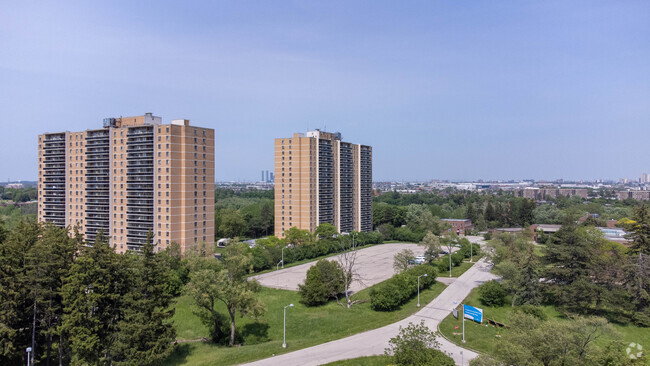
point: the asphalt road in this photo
(373, 264)
(374, 342)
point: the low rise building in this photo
(459, 226)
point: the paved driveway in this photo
(374, 264)
(374, 342)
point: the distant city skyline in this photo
(458, 91)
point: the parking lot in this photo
(373, 264)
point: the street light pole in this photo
(29, 357)
(277, 267)
(424, 275)
(284, 326)
(471, 252)
(449, 261)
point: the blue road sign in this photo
(472, 313)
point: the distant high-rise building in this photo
(645, 178)
(319, 178)
(262, 180)
(131, 177)
(271, 177)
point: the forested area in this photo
(594, 286)
(408, 217)
(247, 214)
(18, 194)
(79, 304)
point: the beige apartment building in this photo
(131, 177)
(319, 178)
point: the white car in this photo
(420, 259)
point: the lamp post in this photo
(424, 275)
(277, 267)
(471, 252)
(284, 326)
(449, 261)
(29, 357)
(353, 235)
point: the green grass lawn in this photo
(484, 338)
(462, 268)
(306, 326)
(364, 361)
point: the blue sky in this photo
(448, 90)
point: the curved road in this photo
(373, 342)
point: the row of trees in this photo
(79, 304)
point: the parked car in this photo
(420, 259)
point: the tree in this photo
(326, 231)
(420, 219)
(347, 260)
(520, 277)
(432, 247)
(417, 345)
(15, 319)
(145, 333)
(569, 257)
(93, 293)
(227, 283)
(324, 281)
(403, 260)
(297, 236)
(232, 223)
(639, 230)
(492, 293)
(534, 342)
(47, 263)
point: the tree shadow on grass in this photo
(179, 356)
(254, 333)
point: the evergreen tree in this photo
(639, 231)
(471, 212)
(569, 256)
(93, 295)
(490, 214)
(15, 320)
(48, 262)
(145, 334)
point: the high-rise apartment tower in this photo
(131, 177)
(319, 178)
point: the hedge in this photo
(397, 290)
(268, 257)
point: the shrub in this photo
(535, 311)
(492, 293)
(416, 345)
(324, 280)
(457, 259)
(395, 291)
(487, 236)
(641, 319)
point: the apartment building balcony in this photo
(139, 179)
(139, 194)
(139, 218)
(140, 201)
(140, 148)
(54, 159)
(53, 207)
(140, 156)
(54, 152)
(140, 171)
